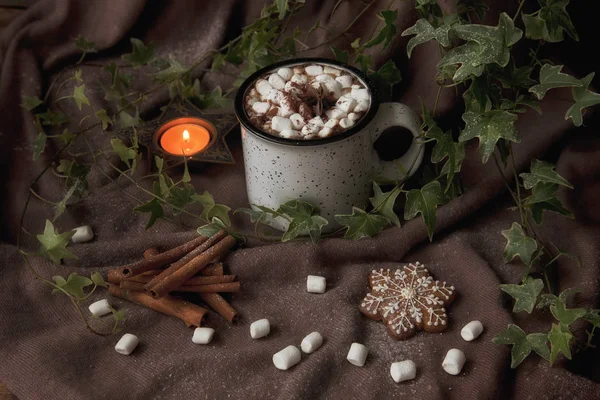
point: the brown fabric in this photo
(45, 352)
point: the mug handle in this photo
(397, 115)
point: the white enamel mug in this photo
(334, 173)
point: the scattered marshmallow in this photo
(325, 132)
(313, 70)
(345, 81)
(361, 105)
(360, 94)
(335, 113)
(82, 234)
(290, 88)
(285, 73)
(353, 117)
(331, 70)
(300, 79)
(331, 123)
(346, 123)
(279, 124)
(310, 129)
(358, 354)
(346, 104)
(324, 78)
(100, 308)
(454, 361)
(317, 121)
(127, 344)
(403, 371)
(287, 358)
(263, 87)
(261, 107)
(277, 81)
(311, 342)
(289, 133)
(260, 328)
(297, 121)
(471, 330)
(203, 335)
(315, 283)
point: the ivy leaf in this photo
(522, 344)
(384, 202)
(425, 202)
(39, 144)
(425, 32)
(339, 54)
(66, 136)
(211, 209)
(305, 218)
(154, 208)
(54, 245)
(60, 282)
(544, 198)
(583, 98)
(30, 102)
(282, 6)
(258, 214)
(546, 300)
(566, 316)
(550, 22)
(80, 97)
(213, 99)
(365, 61)
(62, 205)
(489, 127)
(446, 148)
(180, 196)
(388, 75)
(518, 244)
(525, 295)
(560, 336)
(53, 118)
(514, 77)
(126, 154)
(387, 33)
(76, 175)
(74, 285)
(85, 45)
(174, 72)
(104, 118)
(541, 171)
(593, 317)
(551, 78)
(127, 120)
(98, 279)
(141, 54)
(485, 45)
(361, 224)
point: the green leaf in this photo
(282, 7)
(85, 45)
(221, 212)
(76, 175)
(39, 144)
(546, 300)
(384, 202)
(425, 32)
(207, 230)
(339, 54)
(566, 316)
(54, 245)
(489, 127)
(525, 295)
(551, 78)
(522, 344)
(127, 120)
(62, 205)
(186, 172)
(388, 75)
(593, 317)
(66, 136)
(174, 72)
(126, 154)
(361, 224)
(80, 97)
(180, 196)
(304, 217)
(104, 118)
(211, 209)
(141, 54)
(583, 98)
(550, 22)
(515, 78)
(425, 202)
(154, 208)
(60, 282)
(30, 102)
(541, 171)
(213, 99)
(98, 279)
(75, 284)
(446, 148)
(485, 45)
(387, 33)
(560, 336)
(53, 118)
(518, 244)
(365, 61)
(258, 214)
(543, 198)
(159, 163)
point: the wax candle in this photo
(185, 139)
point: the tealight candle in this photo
(185, 136)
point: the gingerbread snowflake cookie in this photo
(408, 300)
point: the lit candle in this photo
(184, 139)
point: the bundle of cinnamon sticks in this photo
(191, 267)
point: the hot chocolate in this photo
(306, 101)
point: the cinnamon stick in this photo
(189, 313)
(231, 287)
(219, 305)
(131, 285)
(151, 252)
(176, 279)
(161, 259)
(193, 281)
(213, 269)
(115, 276)
(187, 258)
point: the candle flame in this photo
(186, 135)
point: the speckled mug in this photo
(334, 173)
